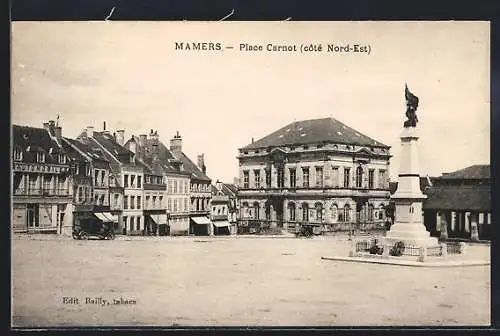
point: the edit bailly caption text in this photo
(98, 301)
(359, 48)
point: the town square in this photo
(186, 187)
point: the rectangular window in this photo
(160, 202)
(96, 177)
(257, 178)
(268, 178)
(62, 159)
(245, 179)
(124, 219)
(169, 205)
(175, 186)
(132, 181)
(46, 183)
(132, 222)
(40, 157)
(154, 202)
(18, 154)
(382, 179)
(347, 177)
(132, 202)
(138, 202)
(305, 177)
(335, 177)
(281, 178)
(103, 178)
(139, 181)
(370, 178)
(293, 178)
(80, 194)
(186, 207)
(146, 204)
(125, 180)
(138, 224)
(175, 204)
(117, 199)
(319, 177)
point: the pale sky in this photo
(129, 75)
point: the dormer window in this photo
(62, 159)
(18, 154)
(40, 157)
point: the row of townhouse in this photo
(139, 185)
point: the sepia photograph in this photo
(250, 174)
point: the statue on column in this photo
(411, 109)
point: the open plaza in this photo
(234, 281)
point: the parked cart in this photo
(93, 229)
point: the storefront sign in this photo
(36, 168)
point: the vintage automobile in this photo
(93, 229)
(307, 230)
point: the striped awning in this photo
(221, 223)
(201, 220)
(106, 217)
(159, 219)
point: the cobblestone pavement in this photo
(199, 281)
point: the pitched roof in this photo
(90, 149)
(230, 189)
(314, 131)
(166, 160)
(38, 140)
(459, 197)
(193, 169)
(119, 152)
(472, 172)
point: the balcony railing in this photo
(41, 192)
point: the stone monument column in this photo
(408, 224)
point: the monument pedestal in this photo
(408, 226)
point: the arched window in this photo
(305, 212)
(359, 177)
(291, 211)
(256, 208)
(347, 213)
(334, 212)
(18, 154)
(319, 211)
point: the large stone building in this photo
(127, 173)
(318, 171)
(42, 179)
(166, 188)
(200, 189)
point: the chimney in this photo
(201, 163)
(104, 126)
(218, 185)
(46, 125)
(90, 131)
(142, 139)
(252, 139)
(133, 145)
(58, 132)
(176, 144)
(120, 137)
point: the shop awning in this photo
(106, 217)
(159, 219)
(221, 223)
(201, 220)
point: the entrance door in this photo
(32, 216)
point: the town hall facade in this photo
(319, 172)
